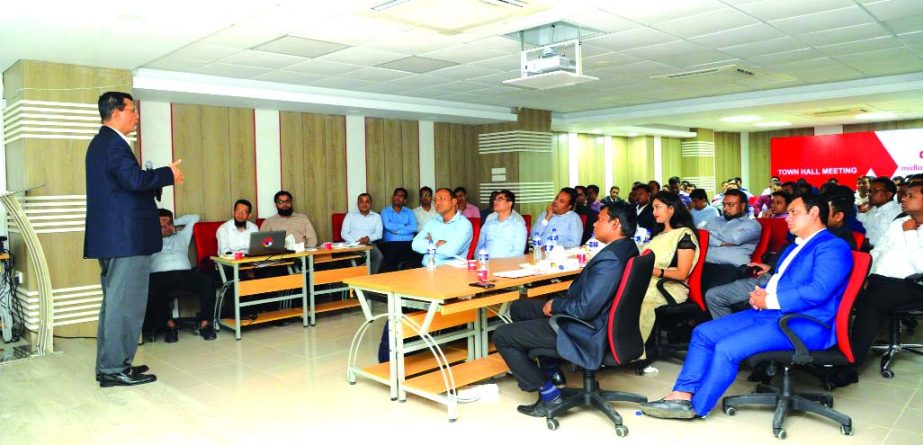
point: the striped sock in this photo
(549, 392)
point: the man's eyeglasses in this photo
(283, 202)
(501, 198)
(877, 191)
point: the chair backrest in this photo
(206, 243)
(762, 245)
(259, 222)
(528, 219)
(336, 220)
(582, 220)
(778, 234)
(476, 227)
(862, 262)
(860, 239)
(625, 342)
(695, 277)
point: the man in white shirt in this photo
(881, 209)
(426, 210)
(171, 271)
(862, 190)
(898, 254)
(234, 234)
(363, 226)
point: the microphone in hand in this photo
(149, 166)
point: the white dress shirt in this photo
(232, 239)
(356, 225)
(175, 252)
(878, 219)
(899, 253)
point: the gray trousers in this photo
(376, 258)
(720, 299)
(125, 284)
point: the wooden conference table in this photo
(304, 281)
(443, 298)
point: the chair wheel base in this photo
(887, 373)
(846, 430)
(730, 411)
(780, 433)
(621, 431)
(553, 424)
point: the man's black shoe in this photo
(208, 333)
(558, 379)
(669, 409)
(171, 335)
(135, 370)
(844, 376)
(540, 408)
(125, 378)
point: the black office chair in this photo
(625, 345)
(841, 354)
(901, 317)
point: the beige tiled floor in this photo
(288, 384)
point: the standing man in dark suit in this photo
(588, 298)
(122, 232)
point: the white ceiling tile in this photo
(416, 64)
(240, 37)
(497, 43)
(502, 63)
(847, 34)
(299, 46)
(664, 50)
(289, 77)
(362, 56)
(843, 49)
(323, 67)
(912, 38)
(631, 39)
(608, 59)
(904, 25)
(227, 70)
(786, 56)
(204, 52)
(738, 36)
(171, 63)
(823, 75)
(691, 59)
(376, 74)
(894, 9)
(464, 53)
(884, 61)
(349, 29)
(765, 47)
(706, 23)
(654, 12)
(820, 21)
(779, 9)
(641, 68)
(462, 72)
(602, 21)
(340, 83)
(290, 16)
(262, 59)
(412, 42)
(496, 78)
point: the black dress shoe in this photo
(669, 409)
(558, 379)
(135, 370)
(844, 376)
(208, 333)
(171, 335)
(125, 378)
(540, 408)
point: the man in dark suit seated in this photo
(588, 298)
(642, 199)
(812, 275)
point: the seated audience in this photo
(674, 186)
(559, 215)
(399, 224)
(592, 198)
(778, 205)
(733, 237)
(812, 276)
(763, 201)
(504, 231)
(467, 209)
(589, 298)
(489, 208)
(170, 272)
(295, 224)
(426, 210)
(642, 195)
(862, 190)
(582, 209)
(701, 212)
(881, 209)
(451, 233)
(613, 196)
(234, 234)
(364, 226)
(676, 250)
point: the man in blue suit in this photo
(588, 298)
(812, 275)
(122, 231)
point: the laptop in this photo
(267, 243)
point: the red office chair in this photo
(582, 220)
(476, 226)
(206, 244)
(762, 245)
(860, 239)
(674, 316)
(625, 345)
(840, 354)
(778, 233)
(528, 219)
(336, 220)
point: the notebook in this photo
(267, 243)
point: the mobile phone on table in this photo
(481, 284)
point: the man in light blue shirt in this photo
(732, 240)
(171, 271)
(560, 215)
(701, 211)
(363, 226)
(451, 232)
(504, 231)
(399, 225)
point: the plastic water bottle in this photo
(554, 235)
(431, 255)
(537, 248)
(483, 267)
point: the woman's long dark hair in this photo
(681, 216)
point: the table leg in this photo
(236, 301)
(307, 290)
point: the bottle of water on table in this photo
(483, 267)
(430, 255)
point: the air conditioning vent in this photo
(728, 71)
(841, 112)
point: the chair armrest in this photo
(915, 279)
(556, 318)
(802, 356)
(663, 290)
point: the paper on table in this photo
(516, 273)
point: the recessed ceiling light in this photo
(741, 118)
(597, 131)
(632, 134)
(876, 116)
(773, 124)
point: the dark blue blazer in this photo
(814, 283)
(122, 218)
(589, 298)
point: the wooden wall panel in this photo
(375, 155)
(242, 162)
(457, 159)
(314, 196)
(215, 167)
(409, 161)
(670, 158)
(883, 126)
(335, 140)
(187, 145)
(392, 154)
(634, 161)
(727, 156)
(759, 152)
(592, 160)
(529, 119)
